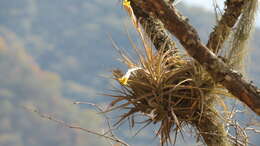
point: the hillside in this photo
(54, 52)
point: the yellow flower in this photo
(123, 80)
(126, 3)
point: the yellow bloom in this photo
(123, 80)
(126, 3)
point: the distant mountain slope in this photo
(53, 52)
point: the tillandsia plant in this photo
(173, 90)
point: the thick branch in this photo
(211, 128)
(154, 29)
(222, 30)
(188, 37)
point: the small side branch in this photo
(222, 30)
(76, 127)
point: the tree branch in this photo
(222, 30)
(154, 29)
(76, 127)
(212, 129)
(189, 38)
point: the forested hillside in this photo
(54, 52)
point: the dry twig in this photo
(76, 127)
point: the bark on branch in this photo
(154, 29)
(189, 38)
(212, 129)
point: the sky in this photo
(207, 4)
